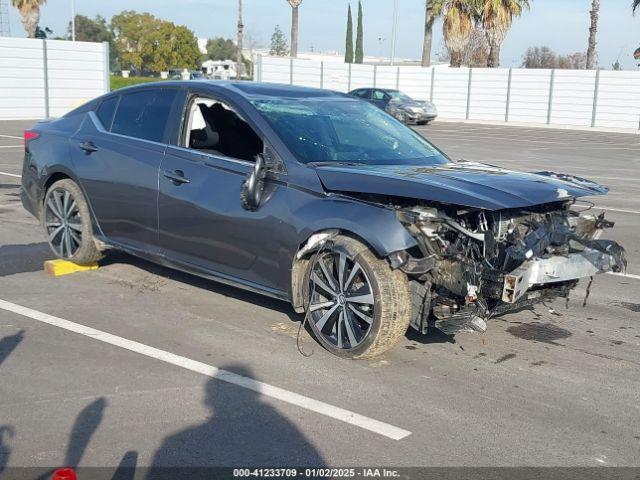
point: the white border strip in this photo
(611, 209)
(10, 174)
(292, 398)
(625, 275)
(10, 136)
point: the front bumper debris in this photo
(542, 271)
(475, 265)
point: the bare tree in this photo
(593, 31)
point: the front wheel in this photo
(67, 222)
(358, 306)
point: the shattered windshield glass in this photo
(340, 130)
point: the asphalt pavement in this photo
(135, 364)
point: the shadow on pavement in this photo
(242, 430)
(23, 258)
(115, 257)
(127, 468)
(8, 344)
(433, 336)
(83, 429)
(6, 431)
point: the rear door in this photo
(117, 155)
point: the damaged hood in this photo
(466, 184)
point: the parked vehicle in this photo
(312, 197)
(399, 104)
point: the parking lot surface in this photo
(550, 387)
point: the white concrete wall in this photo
(577, 98)
(41, 78)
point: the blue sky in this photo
(560, 24)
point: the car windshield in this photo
(342, 130)
(398, 96)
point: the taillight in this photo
(30, 135)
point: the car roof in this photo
(244, 89)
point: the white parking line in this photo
(10, 136)
(626, 275)
(10, 174)
(11, 146)
(292, 398)
(622, 210)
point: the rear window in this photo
(144, 114)
(106, 110)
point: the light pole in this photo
(394, 31)
(73, 20)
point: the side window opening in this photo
(214, 127)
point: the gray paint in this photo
(136, 209)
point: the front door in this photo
(202, 221)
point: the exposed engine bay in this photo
(474, 264)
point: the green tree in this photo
(433, 9)
(348, 54)
(593, 32)
(279, 47)
(149, 44)
(359, 56)
(175, 47)
(294, 26)
(95, 30)
(496, 17)
(29, 14)
(221, 49)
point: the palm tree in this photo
(496, 17)
(29, 14)
(240, 41)
(294, 26)
(433, 10)
(593, 31)
(457, 27)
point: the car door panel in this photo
(203, 223)
(119, 174)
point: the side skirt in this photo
(191, 269)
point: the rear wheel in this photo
(359, 306)
(67, 222)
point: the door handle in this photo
(88, 147)
(177, 177)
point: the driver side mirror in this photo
(253, 186)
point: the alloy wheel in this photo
(63, 223)
(342, 303)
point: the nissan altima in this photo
(315, 198)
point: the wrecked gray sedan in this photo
(312, 197)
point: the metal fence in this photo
(47, 78)
(578, 98)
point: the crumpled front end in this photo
(474, 264)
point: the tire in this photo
(388, 316)
(67, 223)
